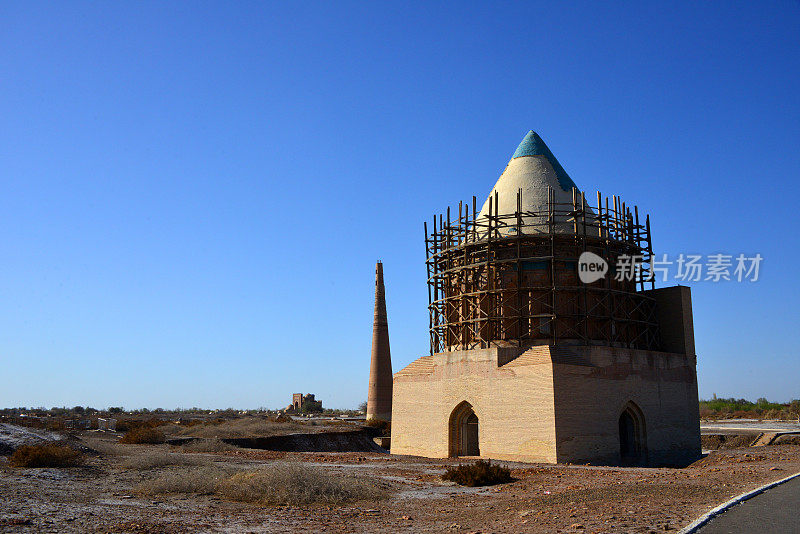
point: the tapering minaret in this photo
(379, 397)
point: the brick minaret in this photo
(379, 397)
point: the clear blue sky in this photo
(194, 194)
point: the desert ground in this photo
(209, 486)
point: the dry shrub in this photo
(288, 483)
(782, 415)
(382, 425)
(481, 473)
(705, 413)
(126, 425)
(190, 422)
(204, 479)
(208, 445)
(56, 425)
(155, 459)
(144, 435)
(46, 455)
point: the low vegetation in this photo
(245, 427)
(152, 460)
(144, 435)
(45, 455)
(126, 425)
(290, 483)
(208, 445)
(719, 408)
(278, 483)
(104, 446)
(481, 473)
(200, 479)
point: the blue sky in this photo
(194, 195)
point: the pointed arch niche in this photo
(632, 436)
(464, 431)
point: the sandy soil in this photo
(100, 496)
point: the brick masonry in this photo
(550, 404)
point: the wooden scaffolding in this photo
(512, 279)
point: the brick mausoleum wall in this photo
(589, 400)
(549, 404)
(514, 407)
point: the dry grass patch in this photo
(208, 445)
(46, 455)
(144, 435)
(105, 446)
(200, 479)
(246, 427)
(126, 425)
(278, 483)
(152, 460)
(289, 483)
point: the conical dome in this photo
(534, 170)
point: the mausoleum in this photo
(527, 361)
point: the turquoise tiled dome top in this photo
(532, 145)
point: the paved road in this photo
(710, 427)
(775, 510)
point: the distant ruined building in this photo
(304, 403)
(529, 363)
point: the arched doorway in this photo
(463, 431)
(632, 436)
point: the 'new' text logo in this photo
(591, 267)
